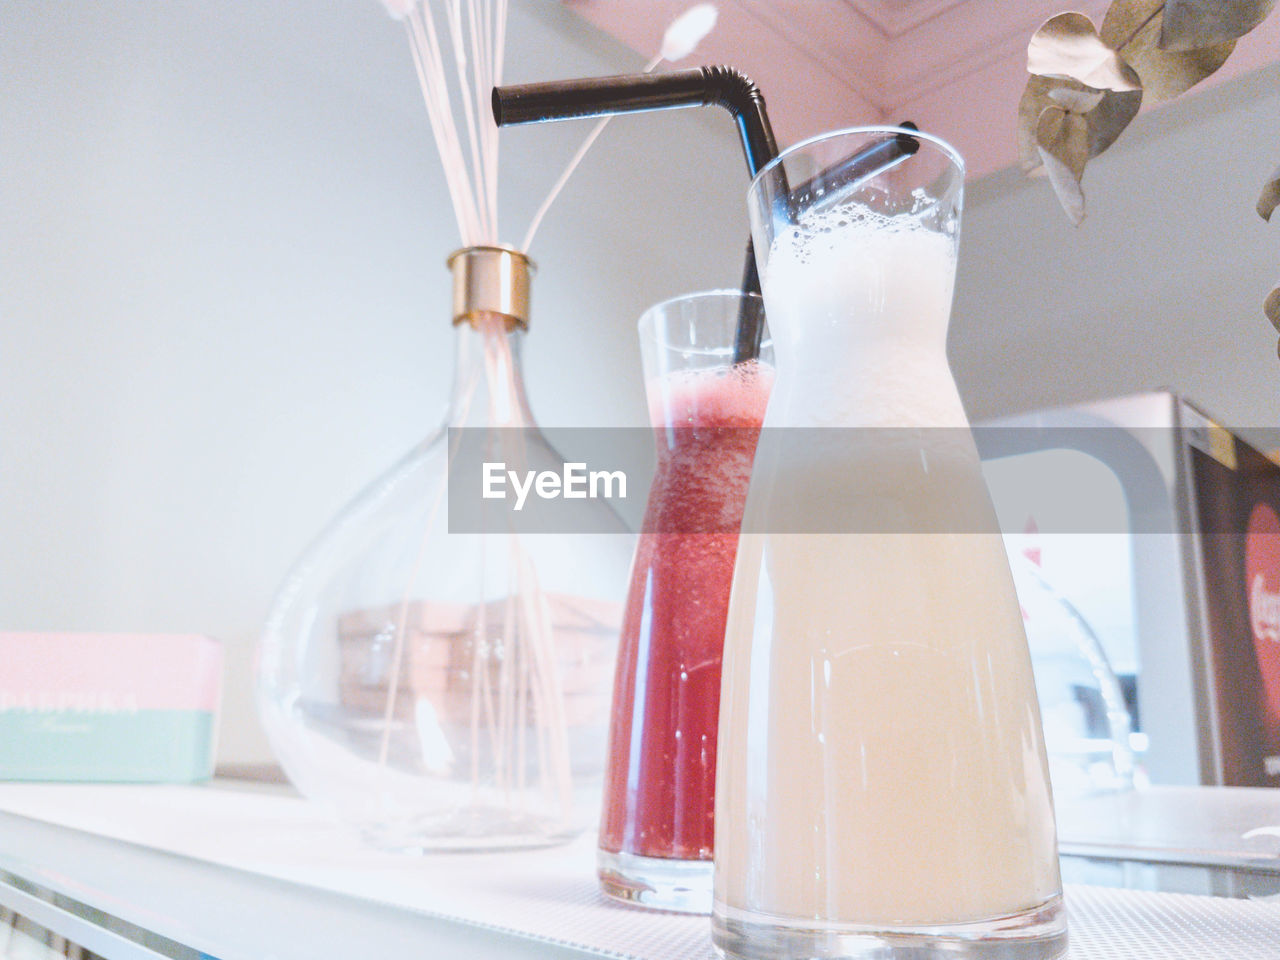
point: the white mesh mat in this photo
(551, 895)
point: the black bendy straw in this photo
(698, 87)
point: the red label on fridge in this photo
(1238, 520)
(1262, 574)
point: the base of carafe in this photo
(1039, 933)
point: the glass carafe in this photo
(882, 786)
(657, 826)
(448, 689)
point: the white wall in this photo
(223, 303)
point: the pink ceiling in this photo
(955, 67)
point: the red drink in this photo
(660, 776)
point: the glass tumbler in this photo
(656, 834)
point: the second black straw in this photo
(701, 86)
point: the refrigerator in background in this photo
(1160, 529)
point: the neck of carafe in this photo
(490, 317)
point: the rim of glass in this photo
(646, 322)
(937, 141)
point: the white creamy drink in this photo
(880, 761)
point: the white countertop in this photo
(176, 871)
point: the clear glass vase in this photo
(447, 690)
(658, 822)
(882, 787)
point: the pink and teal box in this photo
(108, 707)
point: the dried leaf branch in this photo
(1086, 84)
(1079, 98)
(1192, 24)
(1267, 202)
(1271, 307)
(1157, 49)
(1136, 29)
(1270, 197)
